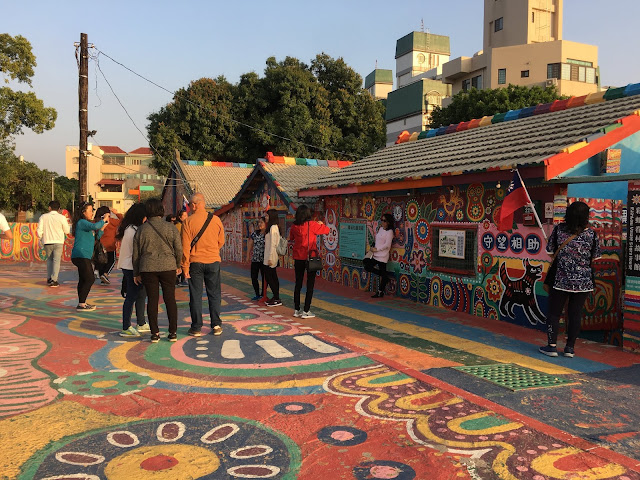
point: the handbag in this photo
(550, 279)
(314, 263)
(99, 254)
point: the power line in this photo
(251, 127)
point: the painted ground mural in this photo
(272, 398)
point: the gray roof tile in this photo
(218, 184)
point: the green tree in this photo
(294, 109)
(20, 109)
(475, 103)
(24, 186)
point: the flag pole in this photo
(535, 213)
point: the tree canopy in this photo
(475, 103)
(299, 110)
(24, 186)
(20, 109)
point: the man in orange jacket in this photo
(201, 263)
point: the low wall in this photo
(25, 246)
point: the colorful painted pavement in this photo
(341, 396)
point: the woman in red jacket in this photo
(303, 235)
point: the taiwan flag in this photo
(517, 197)
(185, 204)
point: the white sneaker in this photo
(144, 328)
(297, 313)
(307, 315)
(129, 332)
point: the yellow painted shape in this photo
(477, 348)
(574, 147)
(367, 381)
(484, 121)
(289, 161)
(596, 97)
(454, 425)
(104, 384)
(406, 402)
(414, 136)
(23, 435)
(118, 358)
(76, 326)
(544, 464)
(193, 462)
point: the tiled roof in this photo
(525, 141)
(142, 151)
(111, 149)
(218, 184)
(292, 178)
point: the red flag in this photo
(517, 197)
(185, 204)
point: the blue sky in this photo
(173, 43)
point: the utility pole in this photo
(52, 191)
(83, 114)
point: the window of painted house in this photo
(502, 76)
(524, 74)
(454, 248)
(466, 84)
(499, 24)
(476, 82)
(553, 70)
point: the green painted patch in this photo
(513, 377)
(397, 377)
(483, 423)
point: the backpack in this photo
(282, 246)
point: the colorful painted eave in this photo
(311, 162)
(556, 106)
(575, 154)
(206, 163)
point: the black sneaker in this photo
(172, 337)
(86, 307)
(549, 351)
(194, 333)
(273, 303)
(569, 352)
(155, 338)
(105, 280)
(54, 284)
(48, 281)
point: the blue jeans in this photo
(136, 294)
(54, 255)
(209, 273)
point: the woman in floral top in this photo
(574, 278)
(256, 247)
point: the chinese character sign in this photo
(633, 230)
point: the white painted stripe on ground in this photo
(274, 349)
(315, 344)
(231, 349)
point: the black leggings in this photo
(300, 267)
(85, 277)
(271, 276)
(557, 300)
(380, 268)
(256, 269)
(152, 282)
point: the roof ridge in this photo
(611, 93)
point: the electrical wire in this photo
(251, 127)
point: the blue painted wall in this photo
(630, 163)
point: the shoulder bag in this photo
(99, 253)
(204, 227)
(163, 239)
(314, 263)
(550, 279)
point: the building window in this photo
(76, 160)
(476, 82)
(553, 70)
(466, 85)
(580, 62)
(524, 74)
(533, 17)
(502, 76)
(498, 25)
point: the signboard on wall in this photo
(352, 239)
(633, 230)
(451, 243)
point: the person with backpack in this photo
(202, 239)
(303, 235)
(271, 256)
(135, 294)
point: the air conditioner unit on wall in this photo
(552, 82)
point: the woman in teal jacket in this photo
(85, 234)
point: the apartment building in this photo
(523, 45)
(113, 175)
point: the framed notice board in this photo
(352, 239)
(454, 248)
